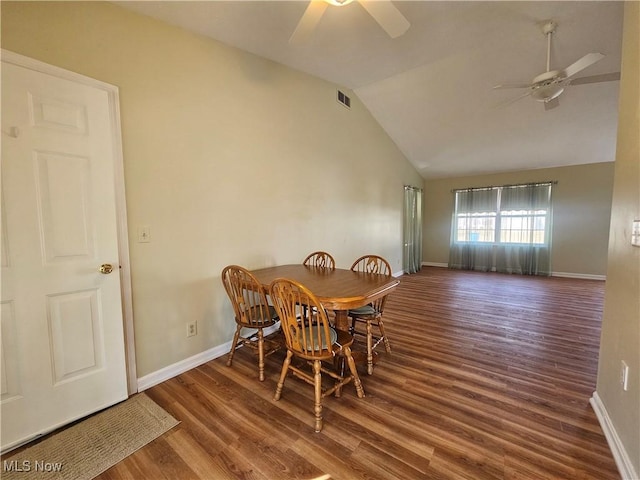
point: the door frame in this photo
(120, 200)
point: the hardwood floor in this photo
(490, 377)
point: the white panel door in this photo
(62, 332)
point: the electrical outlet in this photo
(192, 329)
(624, 376)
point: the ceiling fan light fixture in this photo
(338, 3)
(546, 93)
(383, 12)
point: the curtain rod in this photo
(491, 187)
(409, 187)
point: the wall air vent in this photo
(343, 99)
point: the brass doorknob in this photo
(106, 268)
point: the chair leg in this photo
(354, 372)
(261, 354)
(352, 328)
(338, 366)
(369, 348)
(387, 345)
(234, 344)
(283, 375)
(317, 384)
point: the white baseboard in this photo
(584, 276)
(182, 366)
(194, 361)
(620, 456)
(435, 264)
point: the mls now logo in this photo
(28, 466)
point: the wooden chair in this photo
(309, 337)
(371, 315)
(320, 260)
(252, 311)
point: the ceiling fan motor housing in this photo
(547, 86)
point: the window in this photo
(513, 214)
(522, 226)
(476, 227)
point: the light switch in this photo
(144, 234)
(635, 233)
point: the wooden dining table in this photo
(337, 289)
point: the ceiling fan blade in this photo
(553, 103)
(512, 100)
(388, 16)
(605, 77)
(586, 61)
(309, 21)
(512, 85)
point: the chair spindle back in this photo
(247, 297)
(320, 260)
(303, 319)
(373, 264)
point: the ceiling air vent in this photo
(343, 99)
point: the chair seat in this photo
(333, 336)
(255, 316)
(363, 311)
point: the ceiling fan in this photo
(548, 86)
(383, 12)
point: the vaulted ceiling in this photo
(431, 88)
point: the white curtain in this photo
(464, 253)
(412, 258)
(526, 197)
(504, 229)
(528, 258)
(477, 201)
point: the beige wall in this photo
(581, 213)
(229, 158)
(621, 324)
